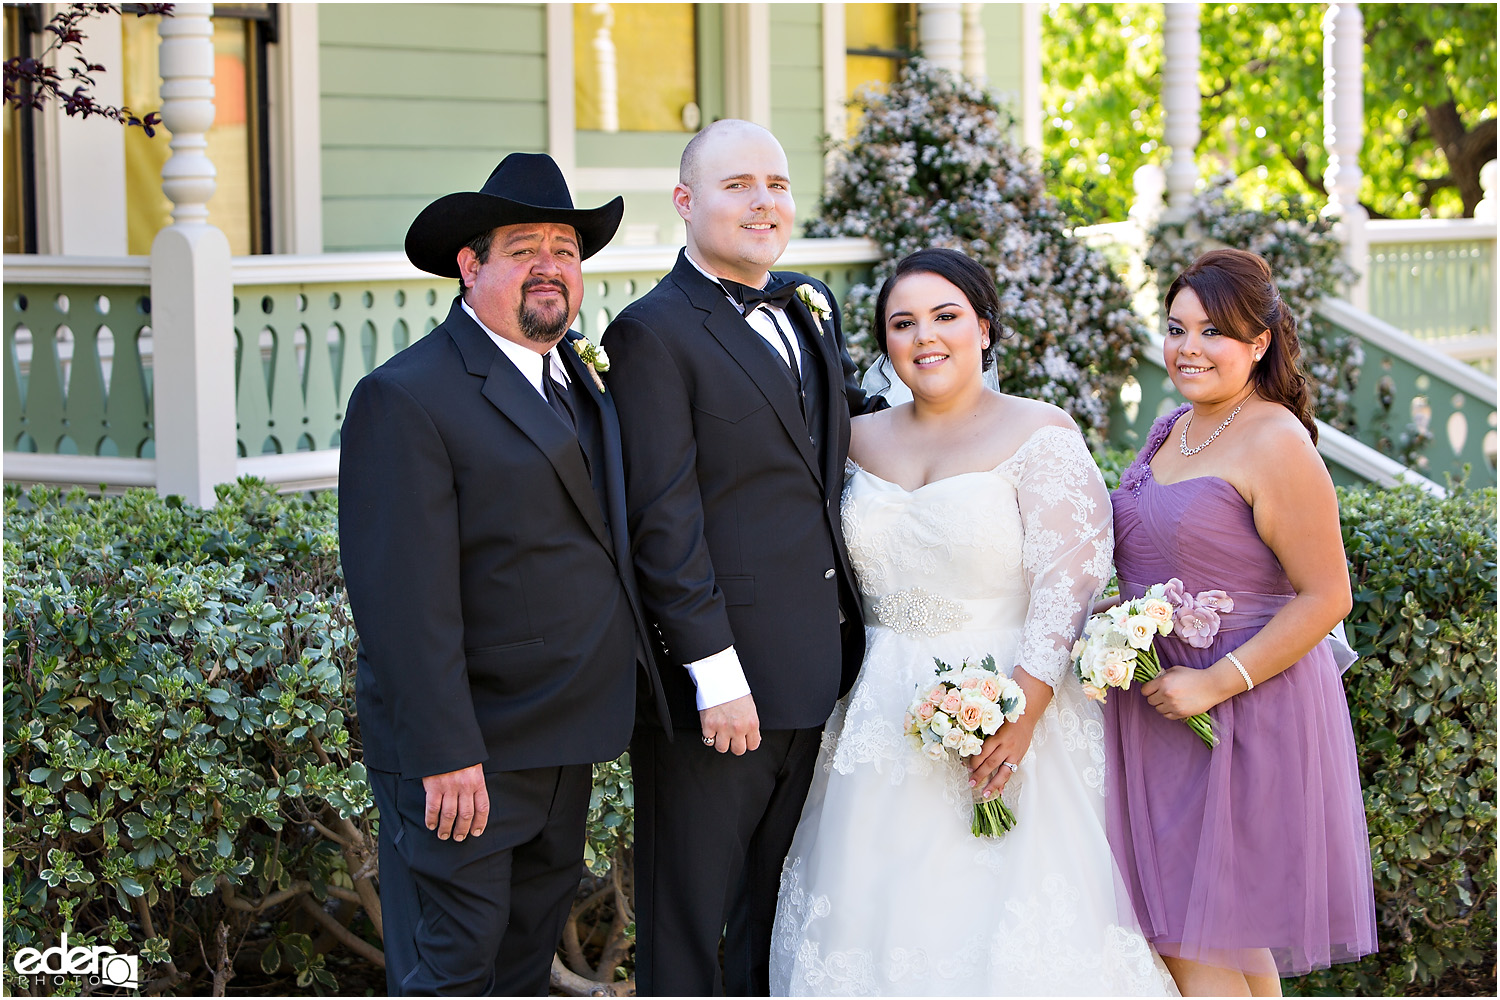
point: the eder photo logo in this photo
(100, 965)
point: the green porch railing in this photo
(1426, 410)
(306, 329)
(78, 368)
(1435, 280)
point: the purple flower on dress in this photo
(1196, 625)
(1196, 618)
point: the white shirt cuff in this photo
(719, 678)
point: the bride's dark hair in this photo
(1240, 298)
(965, 273)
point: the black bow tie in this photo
(776, 293)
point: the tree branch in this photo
(346, 937)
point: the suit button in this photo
(828, 575)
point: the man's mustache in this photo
(536, 283)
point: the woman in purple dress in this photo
(1249, 861)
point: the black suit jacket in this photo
(497, 612)
(734, 517)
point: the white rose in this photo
(941, 723)
(993, 717)
(1012, 695)
(953, 738)
(1140, 630)
(934, 751)
(970, 746)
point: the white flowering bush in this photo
(1304, 256)
(935, 164)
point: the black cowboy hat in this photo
(525, 187)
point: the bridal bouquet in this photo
(954, 715)
(1118, 645)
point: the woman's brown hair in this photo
(1240, 297)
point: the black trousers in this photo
(481, 916)
(711, 833)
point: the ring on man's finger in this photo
(708, 741)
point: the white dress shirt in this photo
(763, 320)
(523, 357)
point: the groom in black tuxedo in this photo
(483, 533)
(734, 391)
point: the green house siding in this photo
(797, 98)
(418, 100)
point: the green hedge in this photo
(181, 757)
(1422, 697)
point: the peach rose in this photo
(926, 710)
(970, 715)
(1159, 612)
(989, 688)
(1093, 693)
(1117, 670)
(951, 702)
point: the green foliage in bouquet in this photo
(936, 162)
(1422, 697)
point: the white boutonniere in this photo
(814, 300)
(594, 359)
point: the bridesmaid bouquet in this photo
(1118, 645)
(952, 716)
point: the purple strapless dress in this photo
(1261, 842)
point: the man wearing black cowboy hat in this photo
(483, 534)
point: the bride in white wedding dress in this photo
(978, 525)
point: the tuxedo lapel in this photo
(750, 352)
(510, 393)
(832, 373)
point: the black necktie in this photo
(555, 396)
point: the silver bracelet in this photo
(1249, 684)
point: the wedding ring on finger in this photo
(708, 741)
(1013, 767)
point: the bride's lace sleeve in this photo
(1067, 550)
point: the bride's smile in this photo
(934, 337)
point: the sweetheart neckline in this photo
(959, 475)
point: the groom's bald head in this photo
(692, 155)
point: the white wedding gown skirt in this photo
(885, 890)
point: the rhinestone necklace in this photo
(1190, 452)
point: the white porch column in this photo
(940, 31)
(1343, 135)
(973, 44)
(192, 289)
(1180, 99)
